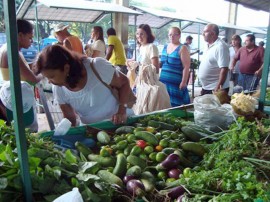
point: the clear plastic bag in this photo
(210, 114)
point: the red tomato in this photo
(141, 143)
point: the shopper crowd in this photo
(85, 80)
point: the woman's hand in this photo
(119, 118)
(182, 85)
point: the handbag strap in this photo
(99, 78)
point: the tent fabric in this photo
(88, 11)
(263, 5)
(70, 10)
(157, 19)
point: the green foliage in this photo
(52, 172)
(194, 63)
(17, 4)
(224, 174)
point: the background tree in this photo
(2, 27)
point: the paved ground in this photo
(43, 122)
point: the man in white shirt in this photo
(213, 70)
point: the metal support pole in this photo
(135, 38)
(265, 72)
(15, 83)
(45, 106)
(37, 29)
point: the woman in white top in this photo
(147, 52)
(236, 44)
(77, 88)
(98, 47)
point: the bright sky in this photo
(216, 10)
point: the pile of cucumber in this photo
(142, 159)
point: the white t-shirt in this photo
(95, 101)
(232, 53)
(99, 46)
(214, 58)
(146, 53)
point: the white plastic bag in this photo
(210, 114)
(72, 196)
(151, 94)
(62, 127)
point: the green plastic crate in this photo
(108, 125)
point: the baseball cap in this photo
(27, 101)
(59, 27)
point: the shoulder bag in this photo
(131, 97)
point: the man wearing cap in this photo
(69, 41)
(28, 104)
(188, 43)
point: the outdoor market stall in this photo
(234, 165)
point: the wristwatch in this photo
(124, 105)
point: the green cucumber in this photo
(136, 161)
(103, 137)
(194, 147)
(150, 138)
(136, 150)
(103, 161)
(134, 171)
(124, 130)
(121, 165)
(110, 177)
(128, 149)
(191, 134)
(168, 150)
(161, 125)
(121, 145)
(148, 185)
(83, 148)
(148, 180)
(148, 175)
(183, 160)
(195, 133)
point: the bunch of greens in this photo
(166, 118)
(53, 172)
(226, 173)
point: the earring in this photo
(67, 77)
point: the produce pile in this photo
(161, 158)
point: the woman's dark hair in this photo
(111, 31)
(56, 57)
(24, 26)
(237, 38)
(99, 30)
(147, 29)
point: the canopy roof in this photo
(158, 18)
(239, 29)
(263, 5)
(88, 11)
(70, 10)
